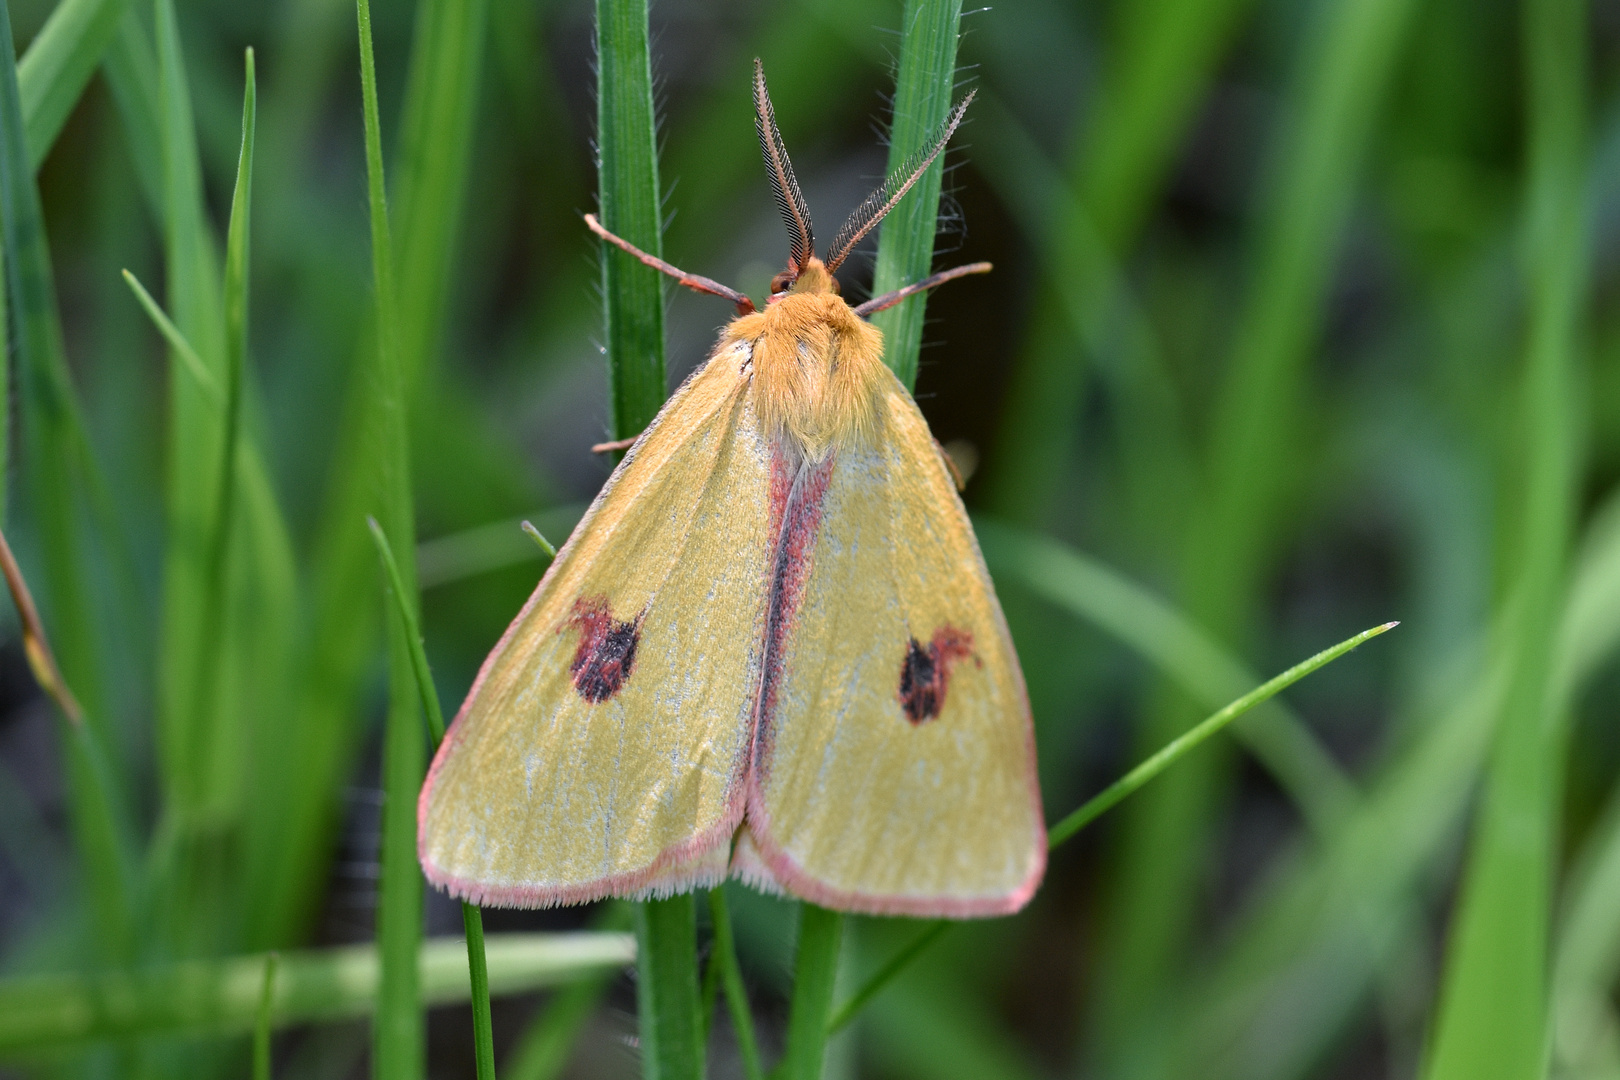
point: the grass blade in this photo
(437, 129)
(667, 1001)
(815, 974)
(56, 68)
(222, 997)
(922, 99)
(472, 920)
(1170, 641)
(629, 201)
(399, 1039)
(1492, 1016)
(725, 957)
(1180, 746)
(261, 1023)
(1110, 797)
(56, 464)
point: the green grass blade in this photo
(630, 204)
(413, 635)
(131, 70)
(437, 136)
(191, 646)
(398, 1035)
(1178, 648)
(56, 464)
(725, 959)
(667, 1000)
(1492, 1016)
(56, 68)
(922, 100)
(238, 236)
(472, 920)
(187, 355)
(1180, 746)
(221, 997)
(1107, 799)
(629, 201)
(886, 974)
(815, 975)
(262, 1022)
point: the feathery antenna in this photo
(789, 199)
(893, 189)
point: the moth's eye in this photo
(780, 283)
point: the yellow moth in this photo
(770, 650)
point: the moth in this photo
(770, 650)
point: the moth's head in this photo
(813, 278)
(805, 273)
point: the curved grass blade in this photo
(1111, 796)
(56, 68)
(1179, 649)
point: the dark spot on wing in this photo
(607, 649)
(926, 670)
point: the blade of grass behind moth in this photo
(815, 975)
(629, 201)
(1338, 82)
(1111, 796)
(254, 568)
(58, 64)
(1493, 1006)
(1181, 651)
(472, 921)
(922, 100)
(437, 130)
(221, 996)
(399, 1040)
(53, 444)
(261, 1022)
(725, 956)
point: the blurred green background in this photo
(1302, 320)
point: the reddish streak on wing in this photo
(606, 651)
(925, 672)
(795, 518)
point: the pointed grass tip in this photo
(535, 535)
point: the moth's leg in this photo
(695, 282)
(889, 299)
(615, 446)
